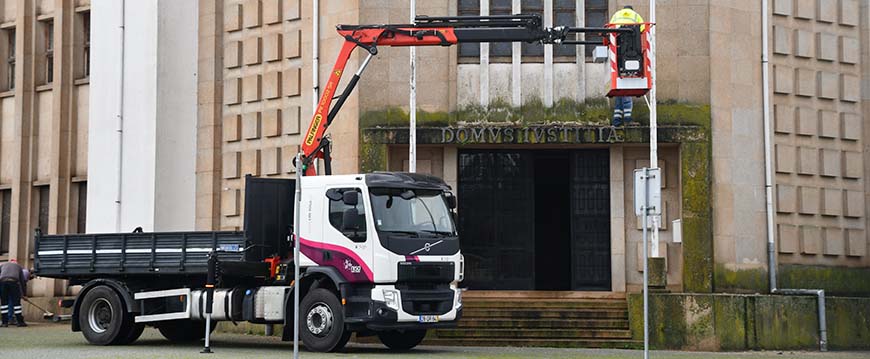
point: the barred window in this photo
(9, 57)
(48, 50)
(596, 16)
(5, 216)
(500, 7)
(564, 14)
(85, 59)
(469, 8)
(533, 7)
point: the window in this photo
(82, 210)
(412, 212)
(596, 16)
(48, 51)
(469, 8)
(337, 210)
(500, 7)
(5, 216)
(42, 219)
(564, 13)
(9, 58)
(534, 49)
(85, 20)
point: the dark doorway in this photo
(535, 220)
(496, 219)
(552, 221)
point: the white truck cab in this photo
(389, 243)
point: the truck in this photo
(378, 253)
(380, 256)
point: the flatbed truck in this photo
(379, 256)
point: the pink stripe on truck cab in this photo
(350, 265)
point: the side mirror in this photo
(350, 198)
(451, 200)
(350, 220)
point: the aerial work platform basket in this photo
(629, 59)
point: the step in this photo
(548, 333)
(528, 294)
(469, 313)
(546, 304)
(544, 323)
(547, 343)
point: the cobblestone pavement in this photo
(57, 341)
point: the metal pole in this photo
(296, 241)
(315, 52)
(653, 118)
(211, 279)
(412, 142)
(768, 148)
(645, 266)
(120, 120)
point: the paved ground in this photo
(56, 341)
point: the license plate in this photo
(428, 319)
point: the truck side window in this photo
(355, 231)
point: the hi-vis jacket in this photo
(627, 16)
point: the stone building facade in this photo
(541, 109)
(44, 99)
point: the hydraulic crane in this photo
(451, 30)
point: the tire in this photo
(402, 340)
(103, 317)
(133, 333)
(184, 331)
(322, 322)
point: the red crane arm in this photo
(426, 31)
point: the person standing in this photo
(13, 282)
(623, 104)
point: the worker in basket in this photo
(623, 104)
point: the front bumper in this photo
(408, 307)
(385, 318)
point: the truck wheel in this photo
(184, 331)
(322, 322)
(133, 333)
(402, 340)
(103, 317)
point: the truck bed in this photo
(76, 256)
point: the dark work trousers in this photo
(10, 293)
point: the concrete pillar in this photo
(158, 83)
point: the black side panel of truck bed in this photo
(116, 254)
(269, 206)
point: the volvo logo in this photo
(427, 247)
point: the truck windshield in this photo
(412, 212)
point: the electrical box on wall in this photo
(678, 230)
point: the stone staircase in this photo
(540, 319)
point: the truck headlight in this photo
(391, 298)
(458, 298)
(461, 267)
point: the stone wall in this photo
(818, 49)
(714, 322)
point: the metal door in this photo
(590, 220)
(496, 219)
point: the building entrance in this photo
(535, 219)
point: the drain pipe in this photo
(120, 122)
(315, 52)
(768, 186)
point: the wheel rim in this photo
(100, 315)
(320, 319)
